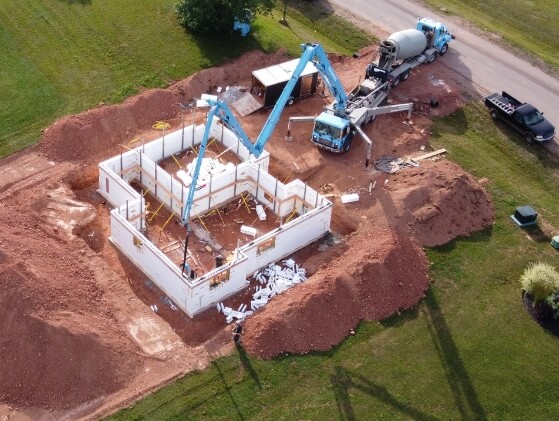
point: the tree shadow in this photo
(458, 379)
(218, 48)
(228, 390)
(342, 381)
(245, 362)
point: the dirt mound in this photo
(373, 278)
(94, 134)
(56, 346)
(440, 202)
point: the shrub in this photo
(540, 280)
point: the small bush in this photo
(540, 280)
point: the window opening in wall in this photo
(266, 245)
(219, 279)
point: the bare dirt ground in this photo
(79, 339)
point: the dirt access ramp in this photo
(90, 333)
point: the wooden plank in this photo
(430, 154)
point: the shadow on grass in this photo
(218, 48)
(536, 234)
(458, 379)
(84, 2)
(483, 236)
(228, 390)
(542, 151)
(401, 319)
(549, 324)
(245, 362)
(343, 381)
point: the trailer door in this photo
(307, 85)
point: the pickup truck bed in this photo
(522, 116)
(503, 101)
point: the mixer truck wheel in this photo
(431, 58)
(444, 49)
(396, 81)
(405, 76)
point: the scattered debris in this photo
(350, 198)
(274, 280)
(166, 300)
(161, 125)
(245, 229)
(390, 165)
(325, 188)
(154, 308)
(261, 212)
(430, 154)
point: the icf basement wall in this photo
(195, 295)
(150, 260)
(115, 189)
(178, 141)
(289, 238)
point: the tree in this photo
(218, 16)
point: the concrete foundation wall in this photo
(127, 219)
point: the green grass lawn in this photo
(468, 351)
(62, 56)
(529, 25)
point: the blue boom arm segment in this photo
(329, 76)
(190, 198)
(219, 109)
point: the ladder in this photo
(503, 105)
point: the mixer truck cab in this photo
(332, 133)
(440, 34)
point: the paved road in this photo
(487, 66)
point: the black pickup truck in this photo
(522, 116)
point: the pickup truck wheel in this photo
(444, 49)
(529, 138)
(396, 81)
(405, 76)
(494, 114)
(290, 101)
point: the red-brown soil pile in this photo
(94, 134)
(378, 273)
(59, 344)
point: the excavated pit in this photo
(59, 291)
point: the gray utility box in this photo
(268, 83)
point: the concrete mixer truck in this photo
(403, 51)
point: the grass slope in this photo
(468, 351)
(63, 56)
(529, 25)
